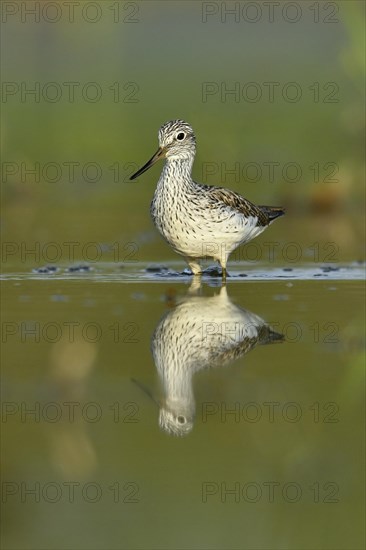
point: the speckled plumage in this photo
(199, 221)
(198, 333)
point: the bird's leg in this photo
(222, 259)
(195, 287)
(195, 266)
(222, 263)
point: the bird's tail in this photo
(273, 212)
(270, 336)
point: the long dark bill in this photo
(158, 155)
(145, 390)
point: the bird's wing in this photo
(237, 203)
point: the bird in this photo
(199, 221)
(200, 332)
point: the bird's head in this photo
(176, 141)
(175, 423)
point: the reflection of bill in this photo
(200, 332)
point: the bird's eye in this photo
(181, 136)
(181, 419)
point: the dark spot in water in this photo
(214, 271)
(170, 273)
(79, 269)
(243, 275)
(329, 268)
(156, 268)
(319, 275)
(287, 269)
(45, 269)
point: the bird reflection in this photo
(200, 332)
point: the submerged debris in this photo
(45, 269)
(156, 268)
(213, 271)
(79, 269)
(329, 268)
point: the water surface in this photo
(275, 438)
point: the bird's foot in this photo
(194, 266)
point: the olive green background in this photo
(160, 56)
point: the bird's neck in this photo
(178, 170)
(178, 390)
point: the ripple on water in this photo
(140, 272)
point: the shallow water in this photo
(139, 272)
(272, 434)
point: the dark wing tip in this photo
(270, 336)
(273, 212)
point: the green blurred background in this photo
(161, 54)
